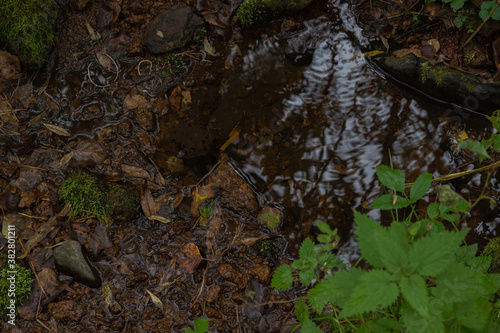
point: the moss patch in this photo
(27, 27)
(11, 274)
(493, 250)
(106, 202)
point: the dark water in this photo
(314, 120)
(319, 121)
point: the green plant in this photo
(251, 11)
(421, 280)
(200, 326)
(28, 28)
(487, 9)
(15, 286)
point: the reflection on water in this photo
(316, 148)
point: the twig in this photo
(44, 326)
(201, 288)
(480, 26)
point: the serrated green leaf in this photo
(474, 146)
(415, 323)
(486, 8)
(367, 231)
(433, 210)
(420, 187)
(430, 255)
(188, 330)
(374, 290)
(414, 290)
(447, 197)
(201, 325)
(463, 206)
(415, 228)
(394, 247)
(330, 260)
(466, 252)
(386, 202)
(391, 178)
(309, 327)
(282, 278)
(306, 275)
(336, 289)
(473, 315)
(306, 250)
(301, 310)
(496, 141)
(457, 283)
(479, 264)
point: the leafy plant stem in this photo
(482, 196)
(480, 26)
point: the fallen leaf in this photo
(134, 171)
(209, 48)
(148, 203)
(87, 152)
(92, 33)
(373, 53)
(253, 240)
(189, 257)
(65, 159)
(155, 299)
(104, 60)
(232, 136)
(385, 42)
(462, 136)
(177, 200)
(435, 45)
(43, 231)
(159, 219)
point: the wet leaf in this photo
(209, 48)
(462, 136)
(65, 159)
(43, 231)
(177, 200)
(87, 152)
(104, 60)
(148, 203)
(134, 171)
(253, 240)
(189, 257)
(92, 33)
(155, 299)
(56, 129)
(435, 45)
(373, 53)
(235, 133)
(159, 219)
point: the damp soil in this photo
(285, 115)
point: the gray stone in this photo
(71, 261)
(171, 29)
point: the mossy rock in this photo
(90, 197)
(27, 27)
(271, 249)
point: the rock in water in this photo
(71, 261)
(171, 29)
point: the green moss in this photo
(252, 11)
(27, 27)
(493, 250)
(271, 220)
(428, 72)
(467, 84)
(87, 198)
(20, 277)
(81, 190)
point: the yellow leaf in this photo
(373, 53)
(155, 299)
(159, 219)
(56, 129)
(462, 136)
(65, 159)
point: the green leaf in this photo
(201, 325)
(474, 146)
(430, 255)
(433, 210)
(391, 178)
(486, 8)
(188, 330)
(394, 247)
(473, 315)
(324, 227)
(415, 323)
(374, 290)
(457, 4)
(457, 283)
(495, 117)
(415, 228)
(420, 187)
(496, 141)
(414, 290)
(335, 288)
(309, 327)
(330, 260)
(301, 310)
(306, 250)
(306, 275)
(386, 202)
(282, 278)
(322, 238)
(367, 231)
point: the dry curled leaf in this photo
(56, 129)
(65, 159)
(155, 299)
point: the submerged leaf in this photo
(56, 129)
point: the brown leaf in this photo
(159, 219)
(134, 171)
(189, 257)
(178, 199)
(252, 240)
(435, 45)
(104, 60)
(148, 203)
(43, 231)
(65, 159)
(155, 299)
(209, 48)
(87, 152)
(56, 129)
